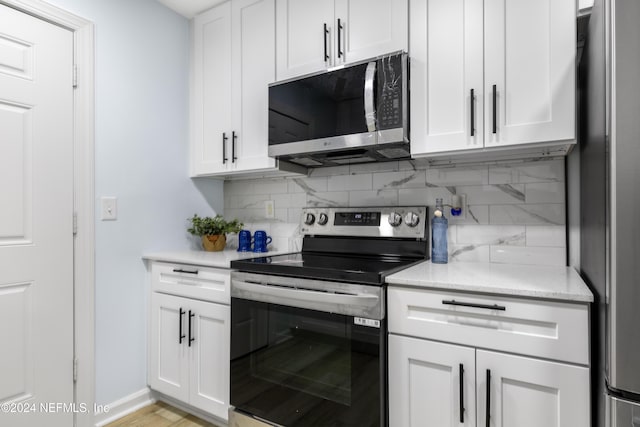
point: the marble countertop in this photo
(220, 259)
(551, 282)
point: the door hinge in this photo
(75, 370)
(75, 223)
(75, 76)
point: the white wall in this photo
(142, 81)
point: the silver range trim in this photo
(330, 297)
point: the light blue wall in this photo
(142, 87)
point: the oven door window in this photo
(298, 367)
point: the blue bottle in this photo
(439, 226)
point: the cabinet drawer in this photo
(553, 330)
(204, 283)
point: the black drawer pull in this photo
(179, 270)
(470, 304)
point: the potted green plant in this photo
(213, 230)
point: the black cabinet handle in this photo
(340, 53)
(469, 304)
(495, 115)
(179, 270)
(326, 53)
(180, 334)
(224, 148)
(488, 419)
(473, 113)
(461, 394)
(234, 137)
(191, 316)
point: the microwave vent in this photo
(394, 153)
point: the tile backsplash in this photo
(515, 212)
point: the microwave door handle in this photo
(369, 107)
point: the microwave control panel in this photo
(391, 91)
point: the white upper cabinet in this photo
(211, 92)
(446, 75)
(313, 35)
(233, 63)
(301, 38)
(525, 49)
(530, 49)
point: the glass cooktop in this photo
(323, 266)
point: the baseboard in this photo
(124, 406)
(189, 409)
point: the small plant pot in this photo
(214, 243)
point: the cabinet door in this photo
(168, 359)
(530, 52)
(300, 36)
(425, 383)
(211, 91)
(370, 28)
(527, 392)
(209, 357)
(446, 66)
(253, 68)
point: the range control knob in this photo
(323, 219)
(395, 219)
(309, 219)
(411, 219)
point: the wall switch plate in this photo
(269, 210)
(109, 208)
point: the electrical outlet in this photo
(109, 208)
(459, 201)
(269, 210)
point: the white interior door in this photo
(36, 208)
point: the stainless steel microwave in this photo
(352, 114)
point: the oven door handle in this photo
(255, 290)
(369, 99)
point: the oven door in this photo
(298, 366)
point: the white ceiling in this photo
(190, 8)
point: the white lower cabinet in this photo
(189, 349)
(527, 392)
(431, 383)
(442, 363)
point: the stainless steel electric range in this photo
(309, 330)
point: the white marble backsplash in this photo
(515, 212)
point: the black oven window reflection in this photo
(299, 367)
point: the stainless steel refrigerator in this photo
(609, 133)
